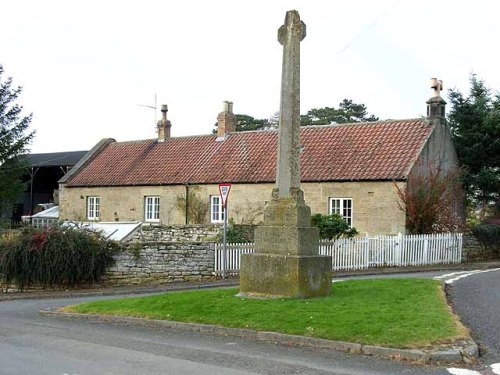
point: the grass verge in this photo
(398, 313)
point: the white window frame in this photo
(345, 208)
(216, 210)
(93, 207)
(152, 209)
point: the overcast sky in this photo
(86, 66)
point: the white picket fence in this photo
(365, 252)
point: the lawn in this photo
(390, 312)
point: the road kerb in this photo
(467, 353)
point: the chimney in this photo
(164, 125)
(436, 105)
(226, 120)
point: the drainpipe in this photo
(32, 173)
(187, 204)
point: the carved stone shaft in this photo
(288, 163)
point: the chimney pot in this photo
(164, 125)
(226, 120)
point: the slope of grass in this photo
(389, 312)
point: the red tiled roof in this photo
(369, 151)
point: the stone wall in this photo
(473, 250)
(178, 233)
(162, 262)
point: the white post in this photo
(225, 243)
(426, 249)
(366, 251)
(399, 249)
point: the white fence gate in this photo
(365, 252)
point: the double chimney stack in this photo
(226, 122)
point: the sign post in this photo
(224, 190)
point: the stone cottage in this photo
(350, 169)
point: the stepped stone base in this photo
(285, 276)
(286, 263)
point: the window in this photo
(343, 207)
(216, 210)
(152, 208)
(93, 208)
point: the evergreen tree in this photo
(475, 126)
(246, 123)
(347, 112)
(14, 140)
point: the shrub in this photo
(197, 208)
(237, 233)
(58, 256)
(432, 199)
(488, 235)
(332, 226)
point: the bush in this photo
(237, 233)
(58, 256)
(488, 235)
(332, 226)
(432, 199)
(196, 208)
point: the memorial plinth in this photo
(286, 263)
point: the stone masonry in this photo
(178, 233)
(162, 262)
(474, 251)
(286, 262)
(166, 254)
(375, 209)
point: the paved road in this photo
(34, 344)
(476, 299)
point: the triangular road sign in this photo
(224, 193)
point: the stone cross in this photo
(286, 262)
(437, 85)
(288, 163)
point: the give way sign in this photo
(224, 193)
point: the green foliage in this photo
(237, 233)
(346, 113)
(13, 142)
(388, 312)
(247, 123)
(135, 249)
(488, 235)
(475, 126)
(197, 208)
(59, 256)
(332, 226)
